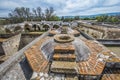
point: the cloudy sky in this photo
(64, 7)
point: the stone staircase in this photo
(64, 59)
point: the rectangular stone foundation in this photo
(63, 67)
(64, 57)
(64, 49)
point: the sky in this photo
(63, 7)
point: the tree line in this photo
(105, 18)
(69, 19)
(21, 14)
(109, 19)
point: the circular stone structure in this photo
(63, 38)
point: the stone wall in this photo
(11, 45)
(113, 34)
(10, 69)
(94, 33)
(101, 32)
(1, 49)
(26, 39)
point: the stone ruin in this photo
(9, 44)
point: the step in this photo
(64, 49)
(63, 67)
(64, 57)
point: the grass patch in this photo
(35, 32)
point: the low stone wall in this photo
(11, 45)
(101, 32)
(109, 42)
(113, 65)
(26, 39)
(113, 34)
(86, 35)
(6, 35)
(17, 57)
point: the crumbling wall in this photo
(11, 45)
(26, 39)
(94, 33)
(101, 32)
(11, 69)
(1, 49)
(113, 34)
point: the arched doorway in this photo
(34, 27)
(27, 27)
(46, 27)
(56, 26)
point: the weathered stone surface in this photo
(16, 58)
(68, 48)
(10, 45)
(101, 32)
(64, 57)
(50, 76)
(63, 67)
(35, 58)
(111, 77)
(15, 73)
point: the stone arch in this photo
(27, 27)
(36, 27)
(39, 28)
(46, 27)
(56, 26)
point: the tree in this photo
(54, 18)
(106, 18)
(114, 19)
(20, 14)
(68, 19)
(37, 13)
(34, 12)
(76, 17)
(49, 12)
(62, 18)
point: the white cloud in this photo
(77, 5)
(9, 4)
(55, 1)
(100, 10)
(65, 7)
(111, 2)
(88, 7)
